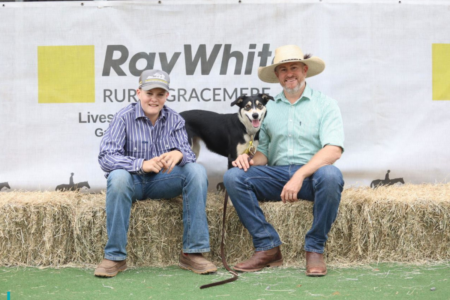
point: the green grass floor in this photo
(383, 281)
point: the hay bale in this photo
(35, 229)
(406, 223)
(399, 224)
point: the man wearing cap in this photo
(145, 154)
(300, 139)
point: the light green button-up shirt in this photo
(293, 133)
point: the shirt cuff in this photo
(137, 166)
(337, 144)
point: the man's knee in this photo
(232, 176)
(330, 176)
(119, 180)
(195, 172)
(328, 185)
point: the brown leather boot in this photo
(196, 263)
(260, 260)
(110, 268)
(315, 265)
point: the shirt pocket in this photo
(310, 130)
(138, 149)
(309, 136)
(166, 144)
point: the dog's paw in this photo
(220, 188)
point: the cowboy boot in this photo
(315, 265)
(260, 260)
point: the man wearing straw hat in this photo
(300, 139)
(145, 154)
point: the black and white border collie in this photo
(227, 134)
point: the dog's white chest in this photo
(244, 146)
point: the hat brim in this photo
(315, 67)
(154, 85)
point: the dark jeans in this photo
(324, 187)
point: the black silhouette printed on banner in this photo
(4, 185)
(386, 181)
(72, 186)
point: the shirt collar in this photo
(139, 112)
(307, 94)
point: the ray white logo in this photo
(76, 78)
(119, 60)
(440, 71)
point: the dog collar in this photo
(251, 149)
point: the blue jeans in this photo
(123, 188)
(324, 187)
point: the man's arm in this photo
(332, 140)
(112, 150)
(328, 155)
(182, 145)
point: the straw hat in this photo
(289, 54)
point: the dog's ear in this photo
(266, 98)
(239, 100)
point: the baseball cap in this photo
(151, 79)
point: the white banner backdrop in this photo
(379, 69)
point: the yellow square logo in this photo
(441, 71)
(66, 74)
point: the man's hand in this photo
(291, 189)
(243, 162)
(170, 159)
(164, 162)
(326, 156)
(153, 165)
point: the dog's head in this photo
(252, 110)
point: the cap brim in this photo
(315, 66)
(154, 85)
